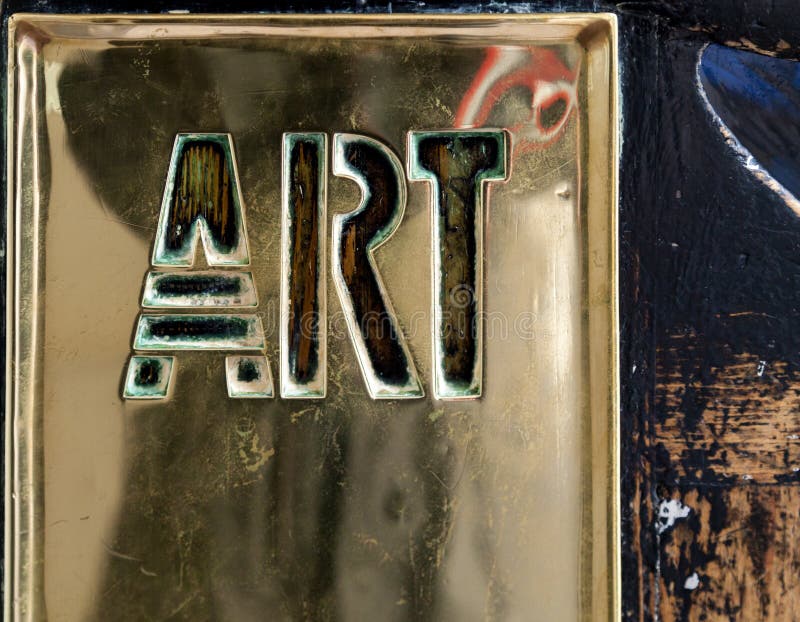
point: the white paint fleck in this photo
(747, 477)
(793, 437)
(673, 244)
(762, 365)
(692, 581)
(669, 511)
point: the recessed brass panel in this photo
(195, 505)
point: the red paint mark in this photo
(539, 70)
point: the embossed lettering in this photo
(457, 164)
(380, 347)
(303, 299)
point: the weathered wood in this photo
(735, 556)
(710, 348)
(304, 304)
(203, 190)
(361, 232)
(459, 162)
(735, 420)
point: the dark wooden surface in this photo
(709, 302)
(202, 190)
(709, 280)
(304, 195)
(360, 232)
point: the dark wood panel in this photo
(735, 420)
(732, 554)
(709, 347)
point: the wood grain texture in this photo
(735, 420)
(709, 346)
(203, 190)
(458, 165)
(360, 233)
(735, 557)
(304, 310)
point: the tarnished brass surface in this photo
(205, 507)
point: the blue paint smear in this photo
(758, 98)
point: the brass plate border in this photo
(601, 590)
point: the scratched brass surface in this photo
(203, 507)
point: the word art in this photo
(214, 309)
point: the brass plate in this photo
(217, 499)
